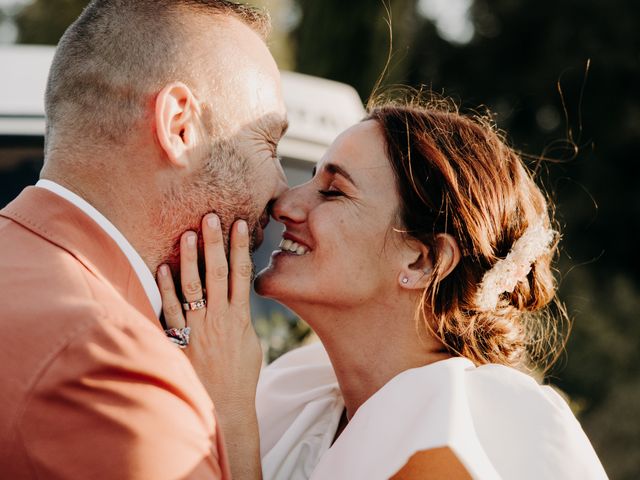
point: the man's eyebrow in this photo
(334, 169)
(275, 127)
(284, 126)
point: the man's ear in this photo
(177, 116)
(419, 268)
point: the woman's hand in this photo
(223, 348)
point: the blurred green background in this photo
(514, 56)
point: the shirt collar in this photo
(142, 271)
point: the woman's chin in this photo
(268, 283)
(281, 280)
(261, 282)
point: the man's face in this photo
(239, 174)
(248, 116)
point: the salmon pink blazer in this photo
(90, 388)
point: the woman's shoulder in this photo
(492, 416)
(502, 386)
(516, 419)
(499, 422)
(487, 389)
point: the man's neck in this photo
(125, 208)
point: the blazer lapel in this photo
(63, 224)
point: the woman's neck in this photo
(370, 346)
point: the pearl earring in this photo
(405, 280)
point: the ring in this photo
(197, 305)
(179, 336)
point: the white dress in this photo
(498, 421)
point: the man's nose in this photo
(282, 184)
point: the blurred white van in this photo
(318, 111)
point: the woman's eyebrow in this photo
(334, 169)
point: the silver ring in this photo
(197, 305)
(179, 336)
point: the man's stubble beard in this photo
(220, 187)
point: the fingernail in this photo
(191, 239)
(242, 227)
(213, 221)
(164, 270)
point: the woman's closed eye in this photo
(331, 193)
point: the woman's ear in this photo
(418, 266)
(176, 116)
(448, 254)
(417, 272)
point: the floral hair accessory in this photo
(514, 268)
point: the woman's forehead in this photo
(360, 150)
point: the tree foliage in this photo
(44, 22)
(349, 41)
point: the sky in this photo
(451, 18)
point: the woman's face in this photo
(341, 226)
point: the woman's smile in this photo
(338, 222)
(294, 245)
(288, 246)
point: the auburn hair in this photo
(455, 174)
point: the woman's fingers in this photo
(227, 282)
(189, 275)
(241, 266)
(171, 306)
(216, 260)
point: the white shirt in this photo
(499, 422)
(142, 271)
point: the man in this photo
(158, 112)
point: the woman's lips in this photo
(289, 236)
(293, 245)
(289, 246)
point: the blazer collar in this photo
(63, 224)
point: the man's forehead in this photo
(227, 48)
(241, 79)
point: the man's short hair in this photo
(118, 52)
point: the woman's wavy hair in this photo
(456, 174)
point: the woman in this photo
(421, 255)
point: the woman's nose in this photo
(289, 206)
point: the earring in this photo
(405, 280)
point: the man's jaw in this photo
(256, 227)
(257, 236)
